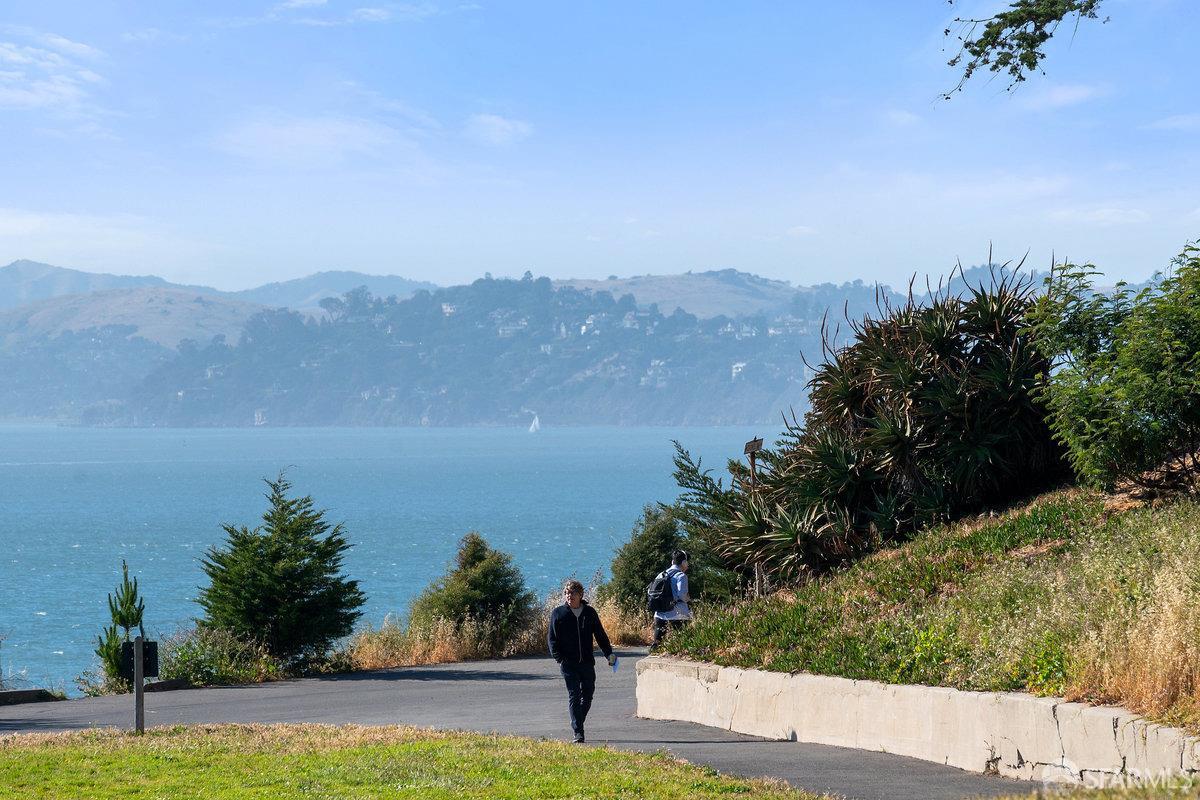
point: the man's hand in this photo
(612, 658)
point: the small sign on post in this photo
(139, 688)
(753, 448)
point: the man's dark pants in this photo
(661, 626)
(581, 685)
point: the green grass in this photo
(314, 761)
(1056, 598)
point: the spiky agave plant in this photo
(930, 411)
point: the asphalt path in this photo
(526, 697)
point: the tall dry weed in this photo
(1149, 660)
(394, 644)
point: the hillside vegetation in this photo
(1058, 598)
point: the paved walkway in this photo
(522, 696)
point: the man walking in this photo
(572, 626)
(676, 576)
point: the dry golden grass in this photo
(444, 642)
(1149, 659)
(622, 627)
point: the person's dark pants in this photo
(581, 685)
(661, 626)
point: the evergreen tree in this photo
(483, 585)
(281, 583)
(126, 608)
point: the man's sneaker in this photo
(578, 738)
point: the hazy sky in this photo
(236, 143)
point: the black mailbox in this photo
(149, 660)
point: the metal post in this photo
(752, 449)
(139, 690)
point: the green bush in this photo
(483, 588)
(655, 536)
(1124, 396)
(281, 584)
(205, 656)
(930, 412)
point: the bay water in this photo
(76, 501)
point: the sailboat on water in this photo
(535, 426)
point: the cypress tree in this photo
(281, 583)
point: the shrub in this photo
(204, 656)
(483, 589)
(647, 553)
(1125, 392)
(281, 584)
(929, 413)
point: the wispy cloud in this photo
(497, 131)
(799, 231)
(1061, 96)
(901, 118)
(307, 141)
(1177, 122)
(1104, 216)
(45, 71)
(319, 14)
(150, 36)
(415, 120)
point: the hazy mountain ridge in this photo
(726, 292)
(25, 281)
(158, 314)
(306, 293)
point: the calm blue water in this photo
(74, 502)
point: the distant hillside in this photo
(24, 282)
(306, 293)
(725, 292)
(164, 316)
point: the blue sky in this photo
(237, 143)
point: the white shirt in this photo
(679, 590)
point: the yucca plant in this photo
(930, 411)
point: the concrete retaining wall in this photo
(1018, 735)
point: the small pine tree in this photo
(281, 584)
(483, 585)
(126, 608)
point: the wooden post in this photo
(139, 692)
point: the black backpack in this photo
(659, 596)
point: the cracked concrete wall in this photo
(1013, 734)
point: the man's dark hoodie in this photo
(570, 637)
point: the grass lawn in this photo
(316, 761)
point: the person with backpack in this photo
(668, 598)
(572, 627)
